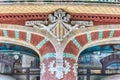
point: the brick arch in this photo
(76, 44)
(21, 33)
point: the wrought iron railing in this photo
(88, 72)
(24, 71)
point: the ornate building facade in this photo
(59, 40)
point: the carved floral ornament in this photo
(60, 70)
(59, 24)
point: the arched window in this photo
(99, 60)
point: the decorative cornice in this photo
(22, 18)
(19, 14)
(96, 9)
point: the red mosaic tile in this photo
(1, 32)
(22, 35)
(47, 48)
(116, 33)
(94, 35)
(82, 39)
(35, 39)
(71, 48)
(106, 34)
(11, 33)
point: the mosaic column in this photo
(58, 69)
(72, 74)
(46, 74)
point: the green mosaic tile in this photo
(76, 43)
(89, 37)
(111, 33)
(28, 36)
(17, 34)
(68, 55)
(48, 55)
(52, 55)
(40, 44)
(100, 34)
(5, 33)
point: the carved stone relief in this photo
(59, 24)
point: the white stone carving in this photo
(75, 66)
(59, 70)
(59, 24)
(82, 23)
(36, 22)
(42, 68)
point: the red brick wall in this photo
(20, 18)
